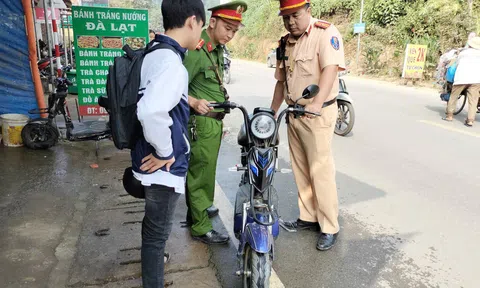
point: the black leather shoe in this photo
(302, 225)
(212, 211)
(326, 241)
(212, 237)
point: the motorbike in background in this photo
(44, 66)
(346, 113)
(226, 66)
(43, 133)
(44, 63)
(256, 222)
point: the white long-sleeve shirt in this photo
(164, 81)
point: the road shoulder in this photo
(108, 253)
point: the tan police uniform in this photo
(310, 140)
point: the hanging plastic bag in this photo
(450, 76)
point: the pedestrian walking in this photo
(467, 78)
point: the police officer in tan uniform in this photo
(313, 54)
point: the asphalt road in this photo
(408, 186)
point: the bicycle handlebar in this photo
(297, 109)
(227, 105)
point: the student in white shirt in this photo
(160, 158)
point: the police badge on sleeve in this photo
(335, 43)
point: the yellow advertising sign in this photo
(415, 57)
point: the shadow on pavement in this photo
(361, 258)
(438, 109)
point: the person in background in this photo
(160, 158)
(467, 77)
(312, 53)
(205, 69)
(151, 35)
(471, 36)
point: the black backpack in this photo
(123, 83)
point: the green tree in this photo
(155, 18)
(385, 12)
(322, 8)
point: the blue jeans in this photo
(160, 203)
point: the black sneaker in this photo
(213, 237)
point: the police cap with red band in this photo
(230, 12)
(291, 6)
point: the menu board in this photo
(415, 58)
(100, 34)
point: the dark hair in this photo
(176, 12)
(151, 31)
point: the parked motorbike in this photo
(44, 66)
(44, 63)
(226, 64)
(256, 222)
(43, 133)
(346, 113)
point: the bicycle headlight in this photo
(263, 126)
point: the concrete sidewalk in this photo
(80, 228)
(108, 252)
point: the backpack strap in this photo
(129, 51)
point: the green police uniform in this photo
(203, 84)
(206, 130)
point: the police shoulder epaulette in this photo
(200, 44)
(322, 24)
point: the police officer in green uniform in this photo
(205, 71)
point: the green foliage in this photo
(372, 54)
(391, 25)
(322, 8)
(384, 12)
(155, 18)
(262, 20)
(446, 21)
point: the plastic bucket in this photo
(12, 125)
